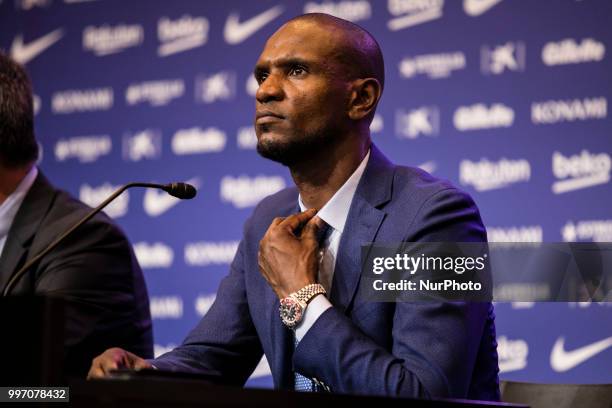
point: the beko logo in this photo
(156, 93)
(356, 10)
(569, 110)
(203, 303)
(181, 35)
(244, 191)
(528, 233)
(409, 13)
(587, 230)
(106, 39)
(166, 307)
(568, 51)
(487, 175)
(479, 116)
(435, 66)
(196, 140)
(86, 149)
(210, 253)
(580, 170)
(156, 255)
(423, 121)
(82, 100)
(512, 354)
(94, 196)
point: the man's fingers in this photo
(311, 229)
(140, 363)
(296, 220)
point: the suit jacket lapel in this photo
(21, 234)
(362, 224)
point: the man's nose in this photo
(270, 89)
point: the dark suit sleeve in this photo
(96, 273)
(434, 345)
(224, 344)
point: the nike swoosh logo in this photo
(236, 32)
(562, 360)
(24, 53)
(156, 202)
(475, 8)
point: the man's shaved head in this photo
(358, 52)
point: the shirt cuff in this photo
(315, 308)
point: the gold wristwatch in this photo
(293, 306)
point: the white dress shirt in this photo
(334, 213)
(10, 206)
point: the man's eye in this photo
(297, 71)
(261, 77)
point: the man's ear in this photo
(364, 96)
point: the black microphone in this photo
(178, 190)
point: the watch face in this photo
(290, 311)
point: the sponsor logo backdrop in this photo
(508, 100)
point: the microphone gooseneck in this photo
(179, 190)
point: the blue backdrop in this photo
(507, 99)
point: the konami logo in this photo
(527, 233)
(166, 307)
(210, 253)
(569, 110)
(580, 170)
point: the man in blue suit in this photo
(291, 293)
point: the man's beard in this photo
(292, 152)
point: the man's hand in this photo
(287, 260)
(113, 359)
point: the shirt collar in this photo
(10, 206)
(335, 211)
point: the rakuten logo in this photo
(205, 253)
(569, 110)
(106, 39)
(82, 100)
(156, 255)
(512, 354)
(580, 171)
(196, 140)
(568, 51)
(244, 191)
(435, 66)
(166, 307)
(486, 175)
(86, 149)
(588, 230)
(531, 233)
(156, 93)
(356, 10)
(94, 196)
(479, 116)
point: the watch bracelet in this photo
(306, 294)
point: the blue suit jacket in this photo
(407, 349)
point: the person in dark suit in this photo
(292, 290)
(94, 270)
